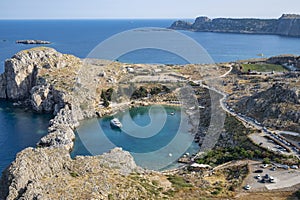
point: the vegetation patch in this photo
(178, 182)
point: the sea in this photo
(22, 128)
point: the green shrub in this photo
(74, 174)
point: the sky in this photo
(150, 9)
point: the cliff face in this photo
(26, 74)
(288, 25)
(22, 69)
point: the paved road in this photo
(250, 122)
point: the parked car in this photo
(285, 166)
(294, 167)
(267, 176)
(271, 179)
(247, 187)
(264, 166)
(258, 176)
(258, 171)
(273, 169)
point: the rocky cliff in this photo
(44, 79)
(26, 74)
(288, 25)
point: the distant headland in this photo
(286, 25)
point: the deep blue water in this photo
(22, 129)
(18, 130)
(79, 37)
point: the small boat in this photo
(172, 113)
(116, 123)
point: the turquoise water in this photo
(19, 129)
(140, 135)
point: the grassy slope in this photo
(263, 68)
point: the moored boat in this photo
(116, 123)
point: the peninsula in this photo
(286, 25)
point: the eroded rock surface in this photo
(50, 173)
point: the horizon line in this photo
(150, 18)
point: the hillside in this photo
(277, 107)
(287, 25)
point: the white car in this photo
(294, 167)
(247, 187)
(265, 166)
(272, 180)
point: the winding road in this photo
(253, 123)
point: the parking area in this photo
(263, 141)
(271, 178)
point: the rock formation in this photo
(32, 42)
(288, 25)
(50, 173)
(22, 71)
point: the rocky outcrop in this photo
(182, 25)
(277, 107)
(44, 98)
(47, 173)
(21, 71)
(32, 42)
(61, 130)
(44, 80)
(288, 25)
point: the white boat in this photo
(116, 123)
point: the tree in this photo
(105, 103)
(140, 93)
(104, 98)
(266, 161)
(109, 93)
(155, 90)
